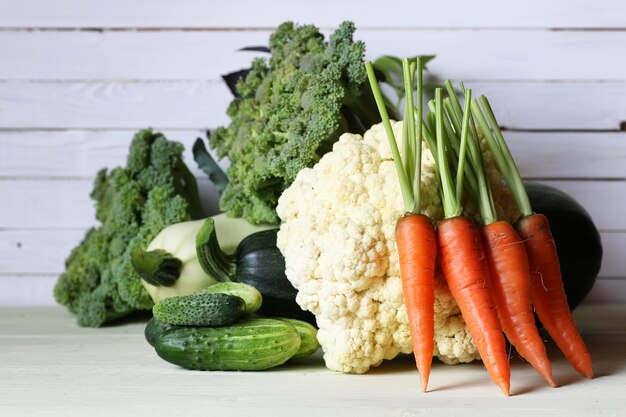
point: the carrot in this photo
(462, 256)
(417, 247)
(415, 235)
(510, 282)
(548, 294)
(466, 272)
(506, 257)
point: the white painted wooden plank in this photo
(186, 55)
(605, 201)
(36, 252)
(607, 291)
(569, 154)
(202, 104)
(119, 374)
(613, 259)
(27, 290)
(113, 104)
(367, 13)
(37, 204)
(63, 204)
(81, 153)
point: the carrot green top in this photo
(488, 125)
(408, 165)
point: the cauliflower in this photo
(338, 239)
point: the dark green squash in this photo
(577, 239)
(256, 262)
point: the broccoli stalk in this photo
(289, 111)
(133, 204)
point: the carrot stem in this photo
(405, 187)
(451, 205)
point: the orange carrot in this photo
(548, 294)
(465, 268)
(510, 283)
(417, 248)
(415, 235)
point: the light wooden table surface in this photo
(51, 367)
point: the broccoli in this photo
(289, 112)
(133, 204)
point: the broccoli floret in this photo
(133, 204)
(290, 111)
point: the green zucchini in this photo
(308, 338)
(257, 262)
(200, 309)
(250, 296)
(249, 345)
(155, 329)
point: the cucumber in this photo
(250, 345)
(155, 329)
(308, 338)
(200, 309)
(250, 295)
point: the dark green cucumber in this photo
(308, 338)
(575, 235)
(249, 345)
(250, 296)
(155, 329)
(256, 262)
(200, 309)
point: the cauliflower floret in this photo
(338, 239)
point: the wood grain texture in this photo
(192, 55)
(327, 13)
(81, 153)
(113, 371)
(202, 104)
(65, 204)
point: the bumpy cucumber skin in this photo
(250, 295)
(250, 345)
(200, 310)
(155, 329)
(308, 338)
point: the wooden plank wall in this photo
(78, 77)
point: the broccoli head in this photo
(133, 204)
(289, 111)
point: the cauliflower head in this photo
(338, 239)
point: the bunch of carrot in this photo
(496, 272)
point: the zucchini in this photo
(257, 262)
(200, 309)
(155, 329)
(575, 235)
(250, 345)
(308, 338)
(250, 296)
